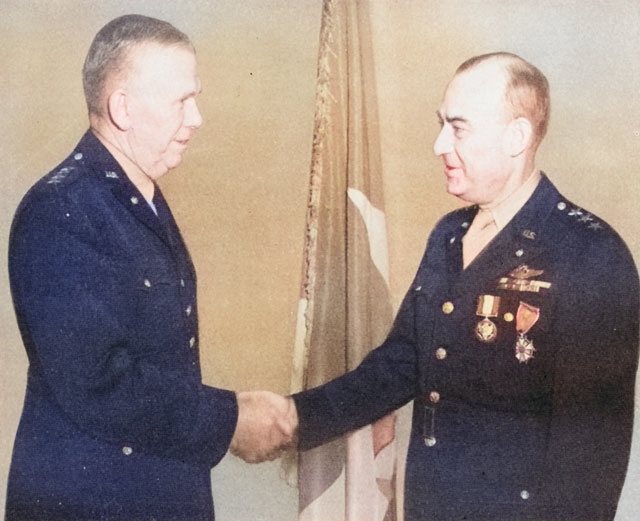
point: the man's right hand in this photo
(267, 426)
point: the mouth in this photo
(182, 144)
(450, 169)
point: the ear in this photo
(119, 110)
(518, 136)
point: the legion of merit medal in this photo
(526, 316)
(488, 306)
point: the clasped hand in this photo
(267, 426)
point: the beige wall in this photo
(240, 195)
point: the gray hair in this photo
(526, 92)
(110, 49)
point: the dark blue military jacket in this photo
(522, 367)
(117, 424)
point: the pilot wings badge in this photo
(520, 280)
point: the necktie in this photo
(482, 230)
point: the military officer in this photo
(117, 424)
(518, 338)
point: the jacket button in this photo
(147, 283)
(441, 353)
(192, 342)
(429, 441)
(127, 451)
(434, 396)
(447, 308)
(134, 200)
(78, 156)
(524, 494)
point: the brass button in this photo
(127, 451)
(429, 441)
(441, 353)
(508, 317)
(447, 308)
(524, 494)
(434, 396)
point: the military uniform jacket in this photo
(534, 421)
(116, 424)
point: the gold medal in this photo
(486, 331)
(526, 317)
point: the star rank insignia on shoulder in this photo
(582, 216)
(520, 280)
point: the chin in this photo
(454, 188)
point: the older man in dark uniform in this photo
(117, 424)
(518, 339)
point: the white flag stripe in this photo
(365, 500)
(375, 222)
(330, 506)
(299, 348)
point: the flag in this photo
(345, 307)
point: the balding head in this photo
(526, 89)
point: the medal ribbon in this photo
(526, 317)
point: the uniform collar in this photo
(522, 241)
(107, 170)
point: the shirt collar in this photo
(506, 209)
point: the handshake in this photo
(267, 426)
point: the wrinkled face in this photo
(474, 122)
(162, 85)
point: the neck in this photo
(118, 149)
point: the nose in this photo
(444, 142)
(192, 116)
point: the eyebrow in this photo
(451, 119)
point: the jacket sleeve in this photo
(382, 383)
(84, 348)
(596, 334)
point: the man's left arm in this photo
(596, 338)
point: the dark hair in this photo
(110, 48)
(527, 89)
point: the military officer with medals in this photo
(518, 338)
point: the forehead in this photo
(153, 62)
(477, 93)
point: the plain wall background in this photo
(240, 195)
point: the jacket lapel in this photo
(135, 203)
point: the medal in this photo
(488, 305)
(526, 316)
